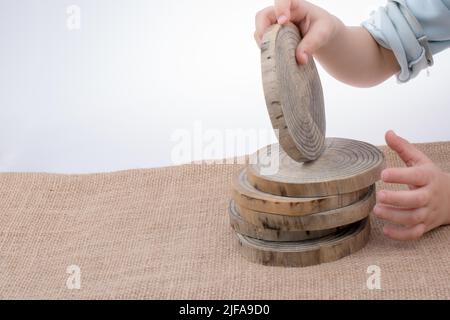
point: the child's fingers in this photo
(264, 19)
(314, 38)
(406, 217)
(403, 234)
(257, 38)
(291, 10)
(283, 11)
(309, 45)
(302, 56)
(415, 176)
(409, 199)
(409, 154)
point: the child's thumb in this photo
(283, 11)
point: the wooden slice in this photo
(270, 234)
(293, 93)
(313, 222)
(308, 252)
(247, 196)
(345, 166)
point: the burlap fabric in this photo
(164, 234)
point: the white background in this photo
(111, 95)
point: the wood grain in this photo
(308, 252)
(293, 94)
(313, 222)
(345, 166)
(247, 196)
(265, 232)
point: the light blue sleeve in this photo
(414, 30)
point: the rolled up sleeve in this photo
(414, 30)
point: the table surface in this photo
(164, 233)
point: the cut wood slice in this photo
(293, 94)
(308, 252)
(247, 196)
(313, 222)
(270, 234)
(345, 166)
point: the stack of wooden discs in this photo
(306, 213)
(307, 199)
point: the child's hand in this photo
(316, 25)
(425, 206)
(350, 54)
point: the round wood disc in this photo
(247, 196)
(345, 166)
(307, 252)
(271, 234)
(313, 222)
(293, 94)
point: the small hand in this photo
(316, 25)
(425, 206)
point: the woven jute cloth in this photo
(164, 234)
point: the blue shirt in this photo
(414, 30)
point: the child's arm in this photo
(350, 54)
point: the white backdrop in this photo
(111, 94)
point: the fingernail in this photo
(376, 210)
(381, 196)
(302, 57)
(384, 175)
(305, 57)
(282, 19)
